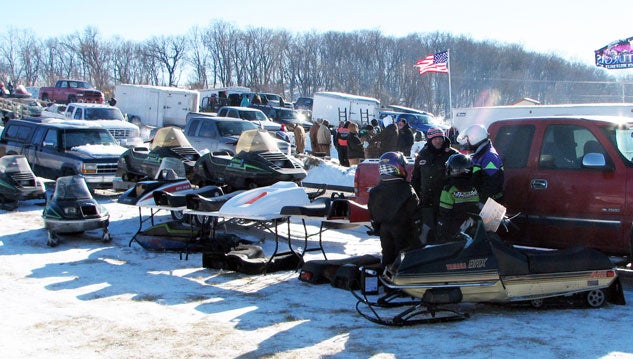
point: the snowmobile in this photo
(72, 209)
(479, 268)
(258, 163)
(139, 163)
(17, 182)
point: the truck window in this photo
(193, 127)
(622, 139)
(206, 130)
(513, 144)
(78, 114)
(565, 145)
(50, 140)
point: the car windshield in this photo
(253, 115)
(14, 163)
(71, 187)
(103, 114)
(256, 141)
(234, 128)
(81, 137)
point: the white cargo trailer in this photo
(464, 117)
(337, 106)
(156, 106)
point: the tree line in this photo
(365, 63)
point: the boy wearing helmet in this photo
(459, 197)
(429, 176)
(487, 165)
(392, 206)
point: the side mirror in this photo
(595, 160)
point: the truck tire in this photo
(72, 98)
(44, 96)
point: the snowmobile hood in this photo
(265, 202)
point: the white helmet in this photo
(473, 136)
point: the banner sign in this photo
(616, 55)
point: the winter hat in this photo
(434, 132)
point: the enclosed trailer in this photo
(337, 106)
(156, 106)
(464, 117)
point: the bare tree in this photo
(168, 51)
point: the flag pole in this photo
(450, 99)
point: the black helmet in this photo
(459, 165)
(393, 164)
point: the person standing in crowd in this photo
(314, 129)
(488, 171)
(459, 198)
(429, 176)
(405, 136)
(245, 101)
(375, 125)
(324, 137)
(355, 151)
(370, 150)
(387, 139)
(300, 136)
(392, 208)
(340, 142)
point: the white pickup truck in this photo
(109, 117)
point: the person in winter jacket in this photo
(392, 207)
(355, 151)
(405, 136)
(459, 198)
(387, 139)
(340, 142)
(300, 136)
(324, 137)
(314, 144)
(488, 171)
(429, 176)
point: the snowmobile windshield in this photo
(71, 188)
(14, 164)
(170, 137)
(256, 141)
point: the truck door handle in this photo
(538, 184)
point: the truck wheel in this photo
(44, 97)
(72, 98)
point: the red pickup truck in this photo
(568, 179)
(67, 91)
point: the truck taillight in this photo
(356, 183)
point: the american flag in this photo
(433, 63)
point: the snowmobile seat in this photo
(200, 203)
(571, 259)
(317, 208)
(414, 258)
(510, 260)
(170, 199)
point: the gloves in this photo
(365, 144)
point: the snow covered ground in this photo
(89, 299)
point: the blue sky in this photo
(573, 28)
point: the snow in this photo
(85, 298)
